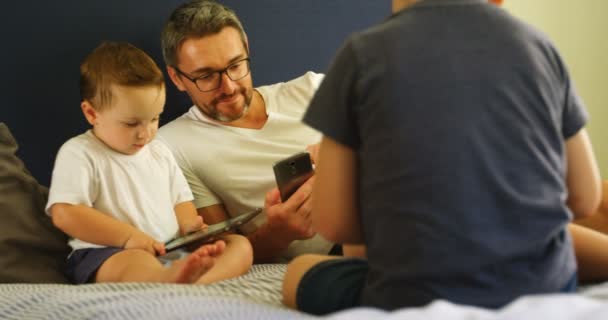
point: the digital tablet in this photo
(211, 232)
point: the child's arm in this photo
(90, 225)
(583, 178)
(188, 218)
(335, 214)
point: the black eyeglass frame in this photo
(219, 83)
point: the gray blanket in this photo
(256, 295)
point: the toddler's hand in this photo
(140, 240)
(195, 224)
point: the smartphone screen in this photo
(292, 172)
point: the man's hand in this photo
(140, 240)
(291, 219)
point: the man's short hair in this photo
(197, 18)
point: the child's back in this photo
(458, 115)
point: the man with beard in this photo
(228, 141)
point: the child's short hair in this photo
(116, 63)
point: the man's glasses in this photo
(213, 80)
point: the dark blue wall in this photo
(43, 43)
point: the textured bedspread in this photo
(257, 295)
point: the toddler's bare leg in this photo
(141, 266)
(235, 260)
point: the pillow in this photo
(31, 248)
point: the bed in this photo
(256, 295)
(33, 286)
(43, 82)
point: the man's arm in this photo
(335, 214)
(313, 150)
(582, 177)
(213, 214)
(285, 222)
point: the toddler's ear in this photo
(89, 112)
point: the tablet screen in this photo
(211, 232)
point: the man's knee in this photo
(240, 246)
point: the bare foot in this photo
(192, 267)
(212, 249)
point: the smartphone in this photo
(292, 172)
(210, 233)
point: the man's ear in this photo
(177, 81)
(89, 112)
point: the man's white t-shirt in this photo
(140, 189)
(233, 166)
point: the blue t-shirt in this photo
(458, 113)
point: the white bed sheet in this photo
(591, 302)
